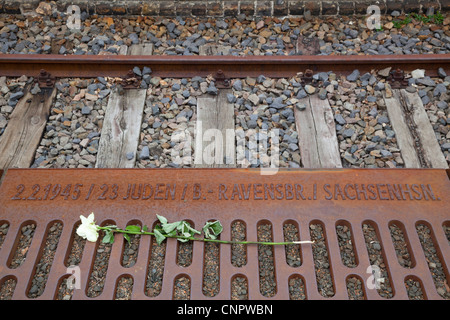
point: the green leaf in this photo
(127, 237)
(171, 234)
(187, 235)
(186, 227)
(212, 229)
(169, 227)
(132, 228)
(109, 237)
(145, 228)
(162, 219)
(159, 236)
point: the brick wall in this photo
(223, 8)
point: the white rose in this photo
(88, 229)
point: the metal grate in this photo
(396, 220)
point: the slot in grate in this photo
(406, 237)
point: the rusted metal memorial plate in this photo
(330, 198)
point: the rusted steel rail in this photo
(346, 197)
(232, 67)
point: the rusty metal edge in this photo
(189, 66)
(358, 272)
(2, 176)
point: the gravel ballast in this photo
(241, 35)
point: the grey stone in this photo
(192, 102)
(373, 112)
(6, 109)
(442, 73)
(411, 89)
(104, 93)
(252, 124)
(16, 96)
(145, 153)
(348, 133)
(310, 89)
(301, 94)
(137, 71)
(322, 76)
(385, 72)
(340, 119)
(231, 98)
(260, 79)
(62, 50)
(212, 89)
(254, 99)
(287, 113)
(35, 89)
(349, 158)
(349, 106)
(425, 99)
(221, 24)
(442, 105)
(176, 87)
(92, 87)
(365, 77)
(439, 89)
(293, 146)
(146, 70)
(386, 153)
(353, 76)
(186, 93)
(237, 85)
(379, 86)
(426, 81)
(323, 94)
(383, 119)
(156, 124)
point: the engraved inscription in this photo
(225, 192)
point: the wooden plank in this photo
(123, 50)
(144, 49)
(213, 49)
(23, 134)
(430, 146)
(327, 143)
(307, 142)
(402, 133)
(317, 134)
(121, 128)
(215, 120)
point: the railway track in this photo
(348, 151)
(234, 67)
